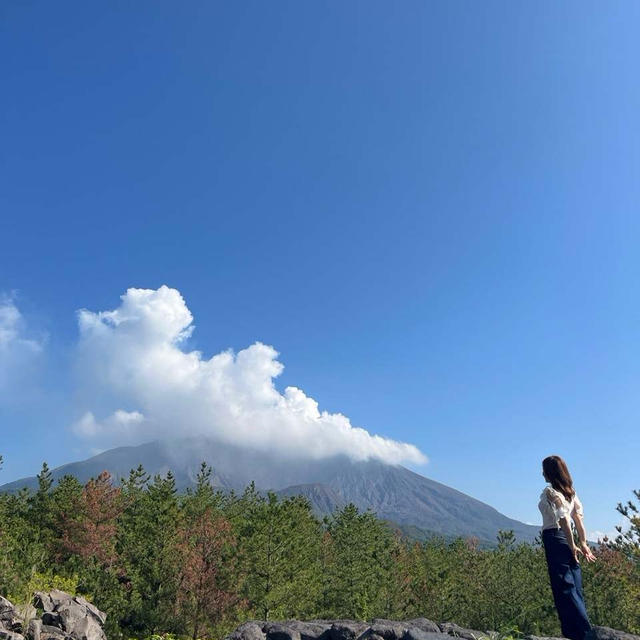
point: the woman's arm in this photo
(577, 515)
(566, 527)
(578, 521)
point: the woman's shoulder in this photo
(552, 494)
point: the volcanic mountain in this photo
(418, 505)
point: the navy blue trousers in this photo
(566, 585)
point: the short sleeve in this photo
(558, 505)
(577, 507)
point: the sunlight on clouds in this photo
(12, 329)
(133, 355)
(17, 351)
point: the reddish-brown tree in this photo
(205, 551)
(90, 533)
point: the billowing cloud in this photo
(17, 351)
(135, 357)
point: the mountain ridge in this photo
(395, 493)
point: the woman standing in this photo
(558, 503)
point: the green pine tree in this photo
(362, 546)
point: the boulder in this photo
(346, 630)
(311, 630)
(91, 609)
(51, 633)
(34, 629)
(69, 616)
(83, 627)
(386, 629)
(248, 631)
(453, 629)
(6, 608)
(10, 618)
(605, 633)
(280, 631)
(43, 601)
(423, 624)
(52, 619)
(77, 619)
(414, 633)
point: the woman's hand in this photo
(585, 550)
(575, 552)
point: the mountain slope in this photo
(393, 492)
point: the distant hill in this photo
(420, 506)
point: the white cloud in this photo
(612, 534)
(12, 328)
(597, 536)
(134, 356)
(17, 351)
(118, 423)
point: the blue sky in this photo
(429, 209)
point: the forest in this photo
(197, 564)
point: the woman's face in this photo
(544, 475)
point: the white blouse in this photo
(551, 514)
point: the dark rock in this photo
(10, 618)
(52, 619)
(423, 624)
(43, 601)
(69, 616)
(414, 633)
(82, 628)
(51, 633)
(279, 631)
(7, 610)
(248, 631)
(346, 630)
(605, 633)
(311, 630)
(34, 629)
(13, 624)
(379, 629)
(387, 629)
(10, 635)
(453, 629)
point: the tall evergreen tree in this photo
(40, 511)
(280, 543)
(146, 535)
(361, 545)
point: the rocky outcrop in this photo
(57, 616)
(10, 620)
(378, 629)
(605, 633)
(597, 633)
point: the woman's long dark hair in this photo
(556, 471)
